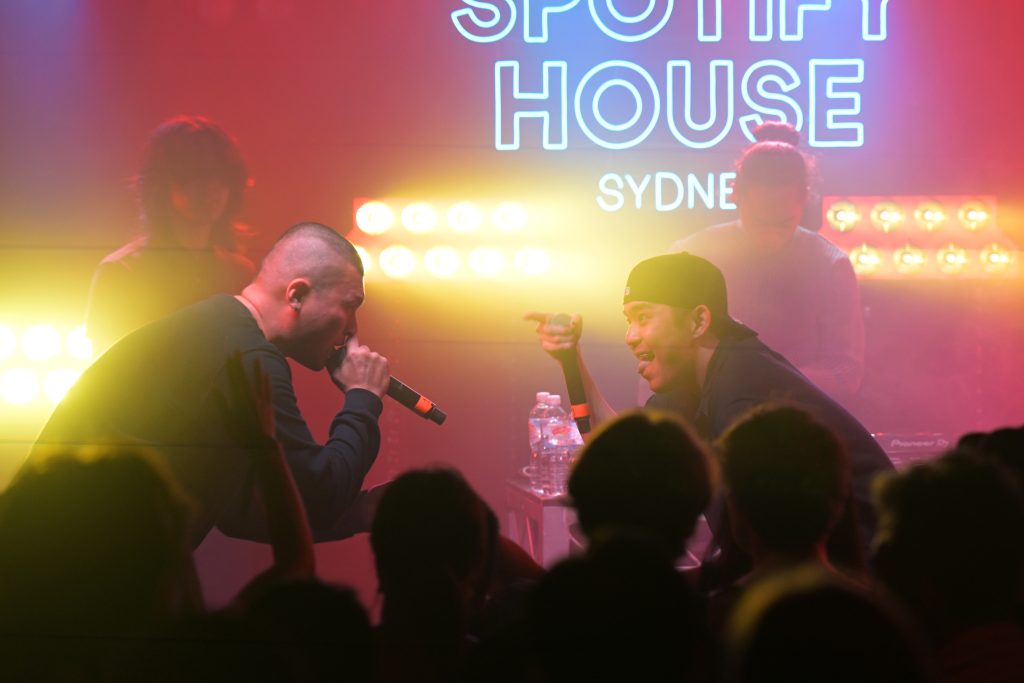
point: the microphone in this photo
(401, 392)
(573, 380)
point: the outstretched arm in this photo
(248, 412)
(561, 342)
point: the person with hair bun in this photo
(190, 191)
(790, 284)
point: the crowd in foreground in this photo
(97, 580)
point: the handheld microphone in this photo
(573, 380)
(403, 393)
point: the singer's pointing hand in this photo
(557, 339)
(362, 369)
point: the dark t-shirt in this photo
(744, 373)
(158, 386)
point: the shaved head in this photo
(308, 250)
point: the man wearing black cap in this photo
(706, 366)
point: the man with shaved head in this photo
(166, 385)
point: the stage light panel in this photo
(8, 342)
(443, 262)
(887, 216)
(397, 261)
(952, 259)
(419, 218)
(374, 218)
(487, 261)
(974, 215)
(843, 216)
(40, 342)
(930, 216)
(365, 257)
(866, 259)
(532, 261)
(18, 386)
(78, 344)
(464, 217)
(909, 259)
(509, 217)
(996, 258)
(58, 382)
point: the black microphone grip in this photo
(569, 361)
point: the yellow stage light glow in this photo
(865, 259)
(996, 258)
(843, 216)
(930, 215)
(952, 259)
(365, 257)
(40, 342)
(58, 382)
(18, 386)
(442, 261)
(397, 261)
(8, 342)
(887, 216)
(419, 218)
(532, 261)
(909, 259)
(509, 216)
(374, 218)
(464, 217)
(974, 215)
(78, 344)
(487, 261)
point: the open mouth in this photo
(645, 358)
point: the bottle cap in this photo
(553, 399)
(541, 396)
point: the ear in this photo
(700, 321)
(296, 292)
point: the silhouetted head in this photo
(950, 541)
(192, 171)
(433, 540)
(806, 624)
(92, 545)
(786, 477)
(646, 471)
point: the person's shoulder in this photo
(815, 241)
(125, 254)
(711, 235)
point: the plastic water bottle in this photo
(564, 440)
(540, 436)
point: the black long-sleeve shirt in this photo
(158, 387)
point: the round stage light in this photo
(58, 382)
(532, 261)
(374, 218)
(8, 342)
(996, 258)
(843, 216)
(365, 257)
(865, 259)
(487, 261)
(465, 217)
(930, 215)
(974, 215)
(78, 343)
(442, 261)
(887, 216)
(419, 218)
(19, 386)
(40, 342)
(952, 259)
(397, 261)
(509, 216)
(909, 259)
